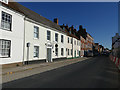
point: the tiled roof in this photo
(32, 15)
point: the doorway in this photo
(49, 59)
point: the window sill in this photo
(36, 38)
(35, 57)
(5, 57)
(6, 29)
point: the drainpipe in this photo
(23, 43)
(72, 47)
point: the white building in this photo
(27, 36)
(73, 42)
(76, 47)
(46, 43)
(11, 35)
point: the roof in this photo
(67, 31)
(89, 35)
(32, 15)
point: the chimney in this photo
(67, 26)
(80, 27)
(72, 26)
(75, 30)
(84, 29)
(56, 21)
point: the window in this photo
(71, 51)
(36, 51)
(48, 35)
(78, 52)
(6, 21)
(70, 32)
(68, 39)
(68, 51)
(56, 37)
(5, 48)
(62, 51)
(36, 32)
(56, 51)
(62, 40)
(64, 28)
(75, 42)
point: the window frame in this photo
(62, 51)
(3, 21)
(49, 35)
(37, 28)
(35, 52)
(56, 37)
(62, 38)
(68, 39)
(68, 52)
(9, 53)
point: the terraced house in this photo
(11, 34)
(26, 36)
(73, 42)
(34, 38)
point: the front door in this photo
(75, 53)
(79, 53)
(49, 54)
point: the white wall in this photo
(29, 37)
(16, 36)
(76, 47)
(69, 46)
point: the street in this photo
(96, 72)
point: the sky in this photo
(99, 18)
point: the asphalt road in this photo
(97, 72)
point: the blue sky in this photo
(99, 18)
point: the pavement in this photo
(96, 72)
(13, 73)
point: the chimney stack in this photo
(67, 25)
(84, 29)
(56, 21)
(80, 27)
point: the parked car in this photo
(90, 53)
(105, 53)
